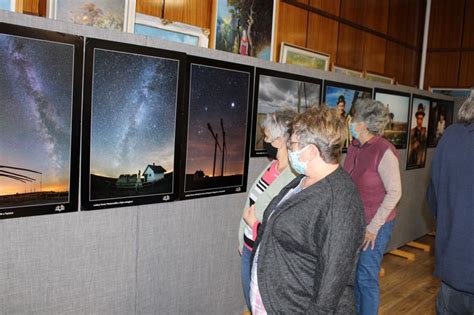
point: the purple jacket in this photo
(362, 162)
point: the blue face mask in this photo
(354, 133)
(296, 164)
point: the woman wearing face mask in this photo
(268, 184)
(372, 163)
(311, 232)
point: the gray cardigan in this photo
(309, 248)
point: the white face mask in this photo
(296, 164)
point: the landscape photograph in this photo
(36, 104)
(133, 122)
(398, 106)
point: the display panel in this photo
(131, 104)
(276, 91)
(40, 99)
(398, 106)
(216, 154)
(420, 112)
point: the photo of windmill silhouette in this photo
(31, 195)
(200, 180)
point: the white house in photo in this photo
(153, 173)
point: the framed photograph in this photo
(172, 31)
(398, 105)
(418, 140)
(215, 159)
(343, 97)
(455, 93)
(8, 5)
(346, 71)
(108, 14)
(40, 107)
(301, 56)
(132, 99)
(276, 91)
(441, 117)
(244, 27)
(378, 78)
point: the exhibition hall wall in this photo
(170, 258)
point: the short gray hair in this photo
(373, 113)
(278, 123)
(466, 112)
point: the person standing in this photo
(451, 198)
(372, 163)
(268, 184)
(306, 252)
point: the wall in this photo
(175, 258)
(450, 57)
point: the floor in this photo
(409, 287)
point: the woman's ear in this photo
(314, 151)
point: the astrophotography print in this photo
(133, 122)
(216, 156)
(398, 105)
(37, 83)
(277, 91)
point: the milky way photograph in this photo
(277, 91)
(134, 103)
(36, 114)
(216, 155)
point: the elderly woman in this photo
(372, 163)
(268, 184)
(311, 232)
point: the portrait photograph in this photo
(343, 97)
(108, 14)
(245, 27)
(130, 125)
(40, 84)
(218, 113)
(277, 91)
(441, 117)
(398, 106)
(418, 137)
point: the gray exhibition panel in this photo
(175, 258)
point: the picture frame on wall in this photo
(40, 106)
(275, 91)
(8, 5)
(244, 27)
(172, 31)
(398, 105)
(108, 14)
(343, 97)
(418, 135)
(131, 123)
(217, 118)
(304, 57)
(441, 117)
(378, 78)
(349, 72)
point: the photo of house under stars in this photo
(277, 91)
(134, 99)
(36, 109)
(217, 129)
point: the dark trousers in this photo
(453, 302)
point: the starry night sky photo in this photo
(217, 93)
(133, 113)
(36, 79)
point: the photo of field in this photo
(36, 93)
(133, 118)
(217, 128)
(398, 106)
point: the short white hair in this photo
(278, 123)
(373, 113)
(466, 112)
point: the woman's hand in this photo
(369, 240)
(249, 216)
